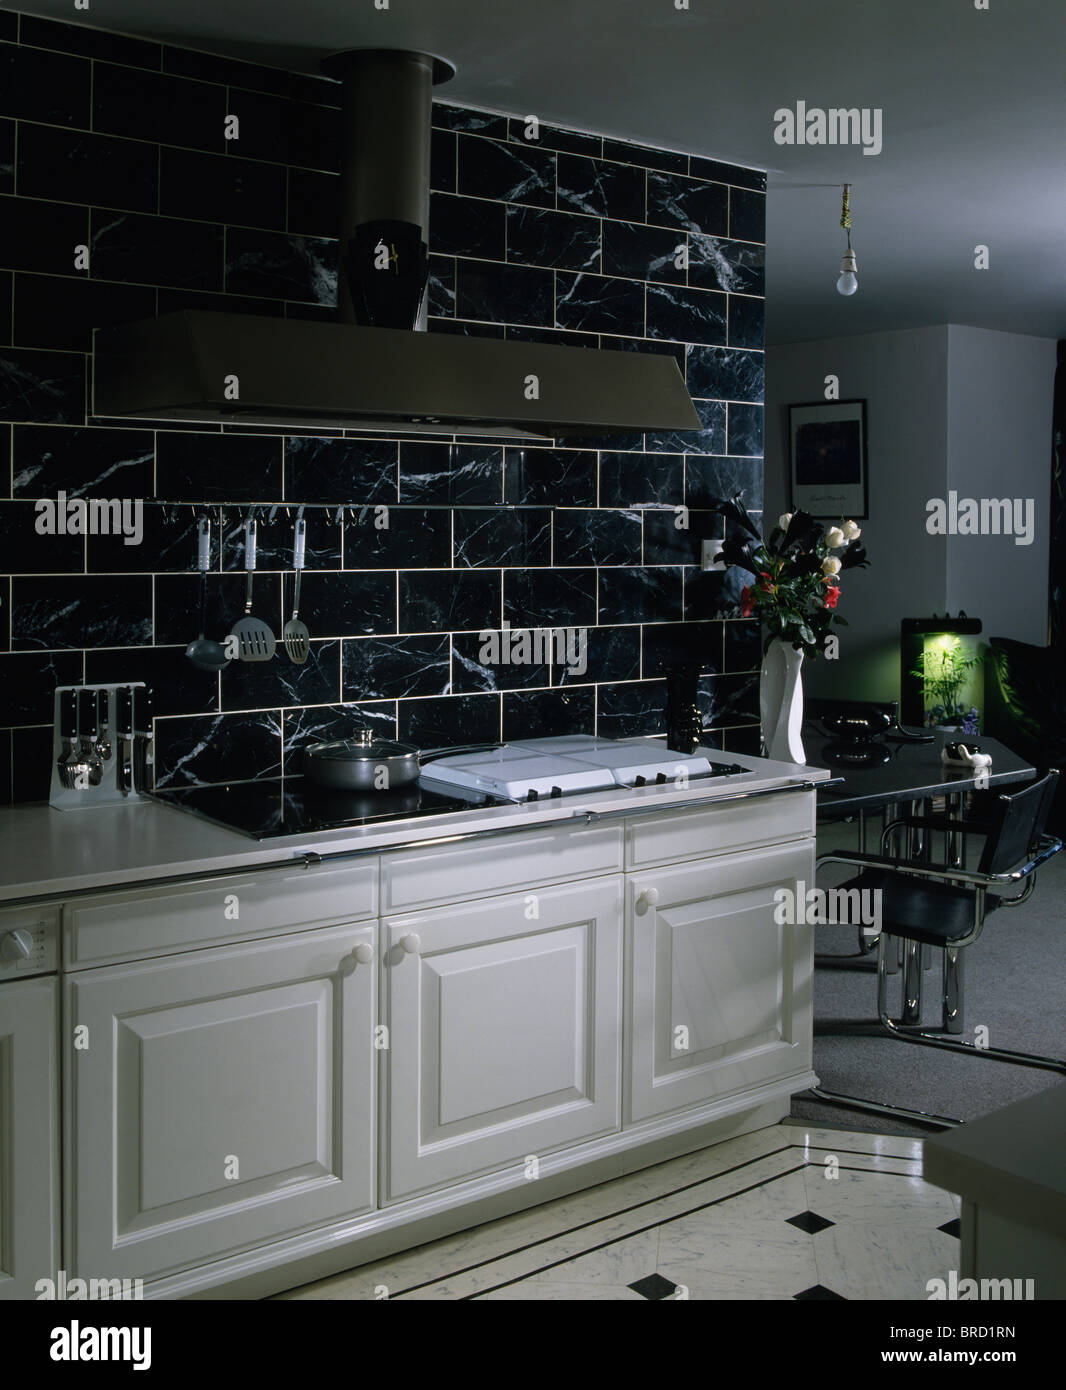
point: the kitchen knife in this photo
(124, 730)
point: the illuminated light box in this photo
(940, 677)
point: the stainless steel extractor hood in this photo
(374, 369)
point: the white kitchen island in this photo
(282, 1060)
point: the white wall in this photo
(903, 378)
(999, 445)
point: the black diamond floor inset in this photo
(653, 1286)
(950, 1228)
(810, 1222)
(818, 1291)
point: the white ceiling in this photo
(974, 107)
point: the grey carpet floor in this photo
(1015, 983)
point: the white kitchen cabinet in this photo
(29, 1153)
(504, 1039)
(219, 1100)
(718, 995)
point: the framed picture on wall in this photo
(828, 459)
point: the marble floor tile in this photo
(883, 1261)
(865, 1198)
(546, 1290)
(896, 1145)
(717, 1258)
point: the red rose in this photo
(745, 602)
(831, 596)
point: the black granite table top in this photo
(913, 771)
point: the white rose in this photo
(852, 531)
(830, 565)
(783, 520)
(834, 536)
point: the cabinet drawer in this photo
(132, 926)
(654, 840)
(454, 873)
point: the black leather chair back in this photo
(1018, 823)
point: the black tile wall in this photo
(124, 194)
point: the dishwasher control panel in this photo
(29, 943)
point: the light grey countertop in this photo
(44, 851)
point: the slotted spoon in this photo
(296, 636)
(255, 640)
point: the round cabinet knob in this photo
(648, 898)
(16, 945)
(411, 943)
(364, 953)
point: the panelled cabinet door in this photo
(219, 1100)
(504, 1037)
(718, 995)
(29, 1136)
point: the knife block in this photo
(110, 791)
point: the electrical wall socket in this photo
(709, 549)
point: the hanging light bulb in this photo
(849, 280)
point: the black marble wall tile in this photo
(217, 467)
(5, 457)
(323, 723)
(718, 264)
(52, 311)
(550, 597)
(536, 236)
(482, 661)
(171, 300)
(643, 253)
(384, 668)
(80, 611)
(743, 740)
(687, 204)
(548, 713)
(714, 594)
(7, 156)
(155, 106)
(5, 766)
(31, 764)
(440, 289)
(467, 227)
(631, 710)
(535, 476)
(91, 43)
(349, 603)
(281, 266)
(711, 480)
(177, 604)
(640, 595)
(177, 686)
(732, 699)
(600, 188)
(629, 480)
(445, 722)
(284, 131)
(275, 531)
(339, 470)
(84, 168)
(611, 654)
(745, 429)
(643, 156)
(313, 203)
(506, 173)
(472, 122)
(48, 387)
(9, 26)
(553, 138)
(451, 474)
(598, 303)
(28, 681)
(466, 329)
(682, 644)
(218, 748)
(6, 292)
(726, 173)
(562, 337)
(449, 600)
(215, 188)
(686, 315)
(504, 293)
(710, 439)
(596, 537)
(228, 72)
(442, 160)
(37, 85)
(725, 374)
(667, 543)
(260, 684)
(747, 322)
(511, 537)
(419, 535)
(156, 251)
(167, 543)
(41, 236)
(743, 645)
(747, 215)
(25, 551)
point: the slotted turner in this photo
(255, 640)
(295, 633)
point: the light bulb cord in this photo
(845, 212)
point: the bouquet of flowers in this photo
(795, 573)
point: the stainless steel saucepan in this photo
(365, 762)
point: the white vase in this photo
(781, 702)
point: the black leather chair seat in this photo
(935, 914)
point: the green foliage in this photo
(944, 670)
